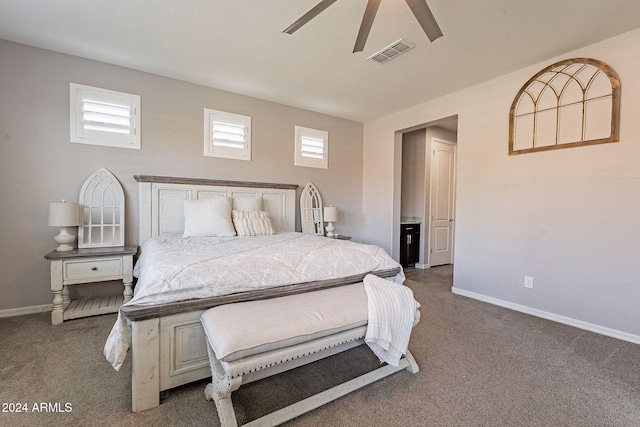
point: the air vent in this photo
(391, 51)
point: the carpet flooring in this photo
(480, 365)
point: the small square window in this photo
(104, 117)
(227, 135)
(312, 148)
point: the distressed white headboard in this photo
(162, 199)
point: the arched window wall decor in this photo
(102, 201)
(311, 210)
(571, 103)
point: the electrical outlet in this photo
(528, 282)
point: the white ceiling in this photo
(239, 46)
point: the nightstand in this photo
(340, 237)
(89, 265)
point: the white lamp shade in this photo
(63, 214)
(331, 214)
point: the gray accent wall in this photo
(569, 218)
(39, 164)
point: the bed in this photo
(166, 338)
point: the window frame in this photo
(79, 134)
(300, 159)
(211, 149)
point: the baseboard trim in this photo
(21, 311)
(602, 330)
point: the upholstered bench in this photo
(252, 340)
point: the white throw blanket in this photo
(392, 314)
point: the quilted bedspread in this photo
(172, 269)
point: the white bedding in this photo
(174, 269)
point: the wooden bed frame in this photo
(168, 343)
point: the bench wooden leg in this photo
(224, 406)
(413, 365)
(220, 393)
(220, 390)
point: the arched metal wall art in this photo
(571, 103)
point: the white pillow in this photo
(247, 204)
(256, 223)
(208, 217)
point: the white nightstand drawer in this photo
(92, 268)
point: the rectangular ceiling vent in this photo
(391, 51)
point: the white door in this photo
(442, 202)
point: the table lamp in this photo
(63, 214)
(330, 216)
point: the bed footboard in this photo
(145, 369)
(167, 352)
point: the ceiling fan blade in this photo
(365, 26)
(426, 19)
(309, 16)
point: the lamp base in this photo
(64, 240)
(330, 228)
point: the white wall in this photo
(569, 218)
(38, 164)
(413, 174)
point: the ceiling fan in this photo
(419, 8)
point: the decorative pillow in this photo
(208, 217)
(256, 223)
(247, 204)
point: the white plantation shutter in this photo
(227, 135)
(104, 117)
(312, 148)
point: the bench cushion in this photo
(243, 329)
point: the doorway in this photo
(426, 194)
